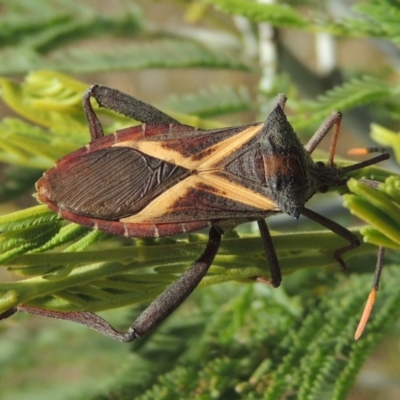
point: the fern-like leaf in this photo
(353, 93)
(380, 208)
(279, 14)
(213, 102)
(162, 53)
(240, 346)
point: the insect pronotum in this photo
(164, 178)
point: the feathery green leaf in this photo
(212, 102)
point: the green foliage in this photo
(15, 182)
(212, 102)
(375, 19)
(276, 14)
(386, 137)
(260, 344)
(229, 340)
(42, 42)
(353, 93)
(95, 280)
(380, 208)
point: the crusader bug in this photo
(164, 178)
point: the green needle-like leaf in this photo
(234, 338)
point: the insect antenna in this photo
(374, 160)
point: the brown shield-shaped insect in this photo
(163, 178)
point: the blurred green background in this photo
(168, 53)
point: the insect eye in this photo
(319, 164)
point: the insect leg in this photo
(372, 295)
(8, 313)
(155, 313)
(175, 294)
(332, 120)
(336, 228)
(127, 105)
(272, 259)
(95, 128)
(86, 318)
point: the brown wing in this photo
(110, 183)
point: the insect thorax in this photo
(290, 173)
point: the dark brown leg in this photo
(155, 313)
(95, 128)
(8, 313)
(333, 120)
(124, 104)
(175, 294)
(272, 259)
(336, 228)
